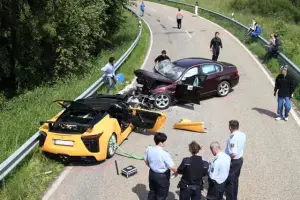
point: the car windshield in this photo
(169, 70)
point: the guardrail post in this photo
(2, 183)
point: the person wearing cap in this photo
(235, 149)
(193, 169)
(160, 163)
(218, 173)
(284, 88)
(162, 57)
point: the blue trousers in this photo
(286, 103)
(111, 83)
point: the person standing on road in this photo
(196, 9)
(215, 45)
(193, 169)
(218, 173)
(162, 57)
(284, 87)
(142, 8)
(160, 163)
(235, 149)
(108, 70)
(179, 17)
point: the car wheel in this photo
(162, 101)
(223, 88)
(112, 146)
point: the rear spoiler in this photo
(66, 123)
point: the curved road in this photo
(271, 159)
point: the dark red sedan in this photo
(187, 80)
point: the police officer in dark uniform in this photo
(218, 173)
(215, 45)
(192, 169)
(160, 164)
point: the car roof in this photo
(188, 62)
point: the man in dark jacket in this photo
(192, 169)
(215, 45)
(284, 87)
(162, 57)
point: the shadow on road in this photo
(142, 193)
(265, 112)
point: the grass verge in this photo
(255, 47)
(20, 118)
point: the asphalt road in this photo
(271, 159)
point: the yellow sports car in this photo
(90, 128)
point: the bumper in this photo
(235, 81)
(78, 149)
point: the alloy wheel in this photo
(162, 101)
(224, 89)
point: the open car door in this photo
(189, 89)
(146, 119)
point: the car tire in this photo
(111, 146)
(162, 101)
(223, 89)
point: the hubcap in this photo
(112, 145)
(162, 101)
(224, 89)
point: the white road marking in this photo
(145, 60)
(188, 33)
(293, 112)
(153, 9)
(57, 183)
(170, 18)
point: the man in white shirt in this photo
(109, 71)
(235, 149)
(196, 9)
(218, 172)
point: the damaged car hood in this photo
(145, 77)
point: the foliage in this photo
(46, 39)
(287, 10)
(36, 172)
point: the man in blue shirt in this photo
(160, 163)
(142, 7)
(235, 149)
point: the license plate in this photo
(64, 142)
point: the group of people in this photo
(223, 172)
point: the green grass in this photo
(20, 118)
(269, 25)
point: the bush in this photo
(43, 40)
(280, 9)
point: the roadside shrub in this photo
(41, 41)
(280, 9)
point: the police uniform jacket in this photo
(193, 169)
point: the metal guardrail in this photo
(293, 69)
(13, 160)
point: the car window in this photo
(218, 68)
(208, 69)
(191, 72)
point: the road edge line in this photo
(145, 60)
